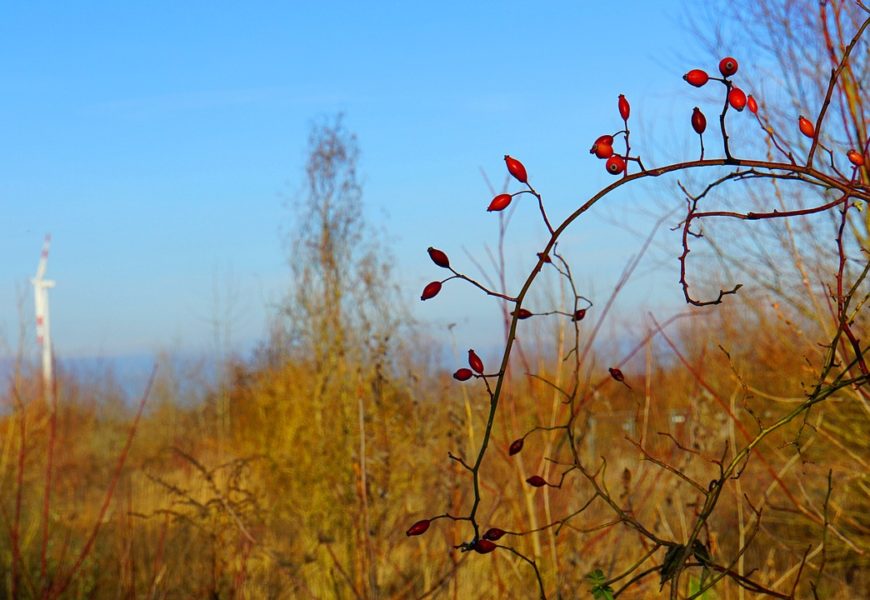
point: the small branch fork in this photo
(834, 375)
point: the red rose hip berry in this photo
(516, 169)
(699, 121)
(737, 98)
(752, 104)
(418, 528)
(474, 361)
(806, 127)
(727, 66)
(431, 290)
(855, 157)
(607, 140)
(624, 107)
(484, 546)
(522, 313)
(438, 257)
(500, 202)
(603, 147)
(462, 374)
(515, 447)
(696, 77)
(615, 165)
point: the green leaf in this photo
(600, 591)
(695, 586)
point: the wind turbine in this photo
(43, 331)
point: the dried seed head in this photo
(536, 481)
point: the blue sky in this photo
(160, 144)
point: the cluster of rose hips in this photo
(484, 545)
(738, 100)
(616, 164)
(603, 146)
(808, 129)
(464, 374)
(518, 171)
(499, 203)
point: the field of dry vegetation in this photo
(731, 462)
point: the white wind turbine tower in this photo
(43, 331)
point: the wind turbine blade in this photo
(43, 257)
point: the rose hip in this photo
(500, 202)
(806, 127)
(418, 528)
(624, 107)
(431, 290)
(855, 157)
(615, 165)
(474, 361)
(752, 104)
(737, 98)
(438, 257)
(462, 374)
(699, 121)
(494, 534)
(696, 77)
(515, 447)
(727, 66)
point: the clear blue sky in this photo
(160, 143)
